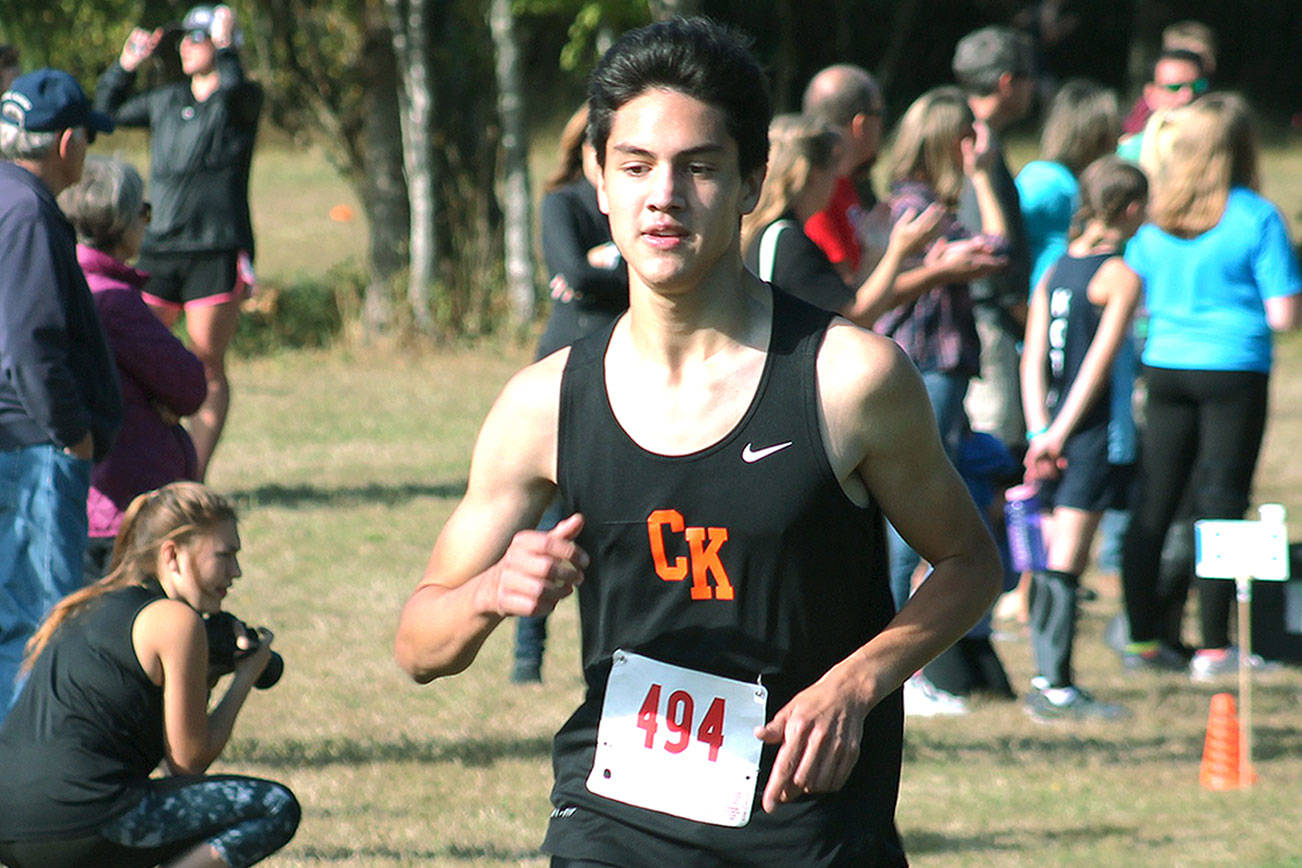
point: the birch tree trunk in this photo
(514, 189)
(416, 97)
(384, 189)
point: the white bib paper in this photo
(679, 741)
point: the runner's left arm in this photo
(879, 427)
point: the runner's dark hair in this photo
(695, 56)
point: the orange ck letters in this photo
(703, 544)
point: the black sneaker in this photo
(1161, 658)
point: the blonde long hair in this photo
(797, 145)
(926, 144)
(1213, 147)
(178, 511)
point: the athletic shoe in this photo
(1211, 663)
(924, 699)
(1152, 657)
(1070, 703)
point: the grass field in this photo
(346, 463)
(345, 466)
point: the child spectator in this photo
(1077, 376)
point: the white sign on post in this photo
(1235, 549)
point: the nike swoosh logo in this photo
(750, 456)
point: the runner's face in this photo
(672, 189)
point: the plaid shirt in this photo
(937, 329)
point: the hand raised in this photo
(912, 232)
(539, 569)
(139, 47)
(978, 151)
(223, 26)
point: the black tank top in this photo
(1073, 322)
(744, 559)
(87, 729)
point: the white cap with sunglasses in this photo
(212, 22)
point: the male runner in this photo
(725, 454)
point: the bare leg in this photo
(169, 315)
(202, 856)
(1069, 539)
(211, 329)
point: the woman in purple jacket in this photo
(161, 380)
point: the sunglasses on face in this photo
(1198, 86)
(196, 36)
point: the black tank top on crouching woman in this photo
(79, 745)
(784, 578)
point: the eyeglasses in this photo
(1198, 86)
(146, 211)
(197, 36)
(91, 133)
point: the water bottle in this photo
(1025, 534)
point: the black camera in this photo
(223, 630)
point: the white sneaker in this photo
(1211, 664)
(924, 699)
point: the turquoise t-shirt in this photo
(1049, 196)
(1205, 294)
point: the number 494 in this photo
(679, 717)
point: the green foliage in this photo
(303, 315)
(589, 20)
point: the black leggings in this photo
(1204, 429)
(243, 819)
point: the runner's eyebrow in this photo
(631, 150)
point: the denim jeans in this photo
(42, 540)
(531, 631)
(946, 392)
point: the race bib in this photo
(675, 740)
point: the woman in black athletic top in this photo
(119, 682)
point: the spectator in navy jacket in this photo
(161, 380)
(60, 406)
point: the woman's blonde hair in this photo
(569, 151)
(926, 144)
(1083, 124)
(178, 511)
(1213, 147)
(797, 145)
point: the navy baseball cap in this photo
(49, 100)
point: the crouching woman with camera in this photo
(118, 681)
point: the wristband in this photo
(1031, 435)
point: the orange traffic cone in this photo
(1221, 769)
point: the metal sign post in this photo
(1243, 551)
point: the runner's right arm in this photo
(489, 562)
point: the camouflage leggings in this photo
(243, 819)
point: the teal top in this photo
(1049, 196)
(1205, 295)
